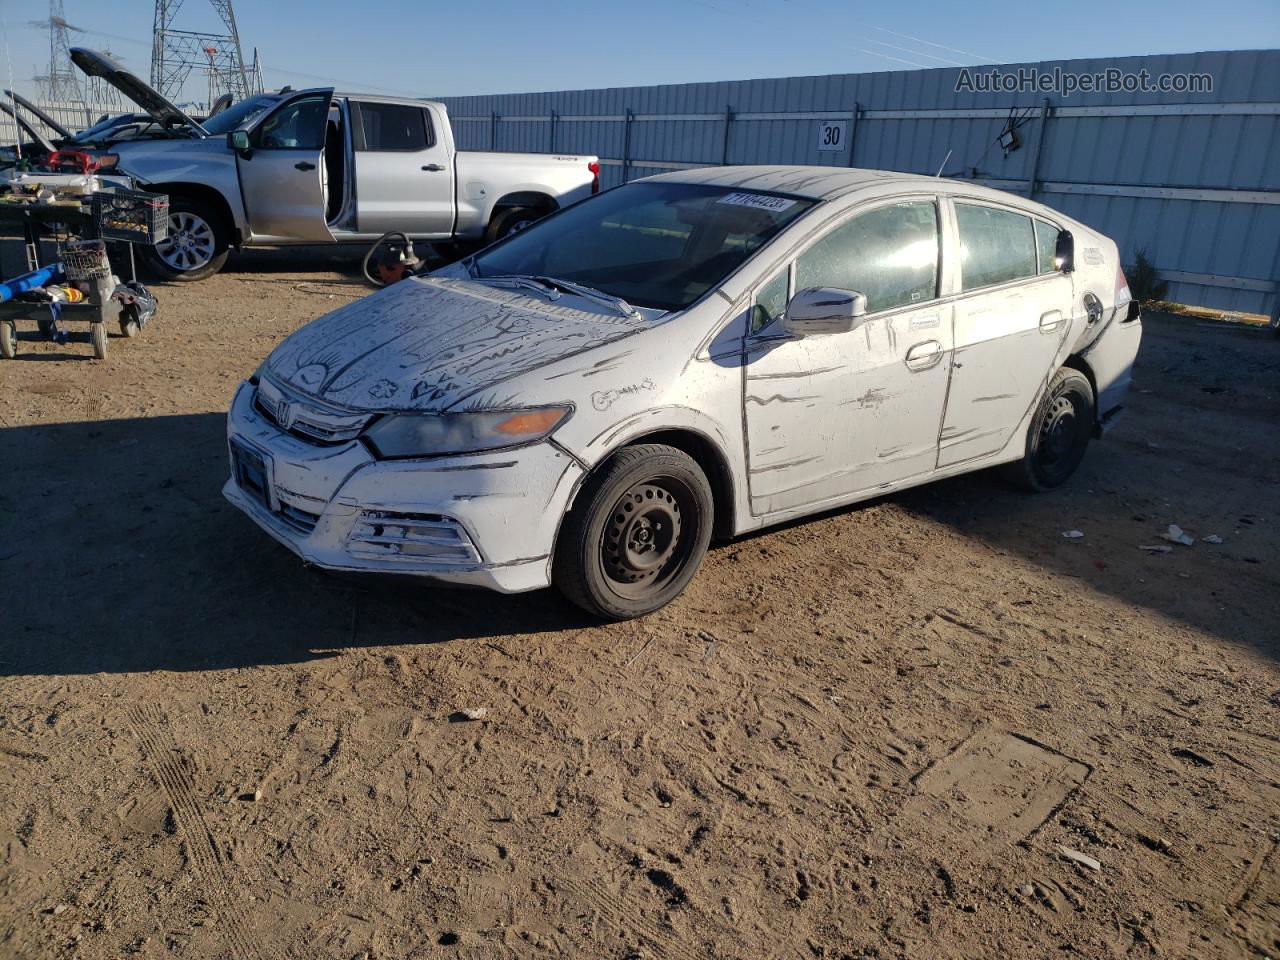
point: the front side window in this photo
(996, 246)
(890, 254)
(771, 302)
(1046, 246)
(394, 127)
(660, 245)
(299, 125)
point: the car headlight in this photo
(432, 435)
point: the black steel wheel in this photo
(636, 534)
(1059, 433)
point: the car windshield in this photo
(238, 114)
(660, 245)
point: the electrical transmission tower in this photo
(175, 53)
(61, 83)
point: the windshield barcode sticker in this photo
(759, 201)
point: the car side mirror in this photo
(1064, 252)
(818, 310)
(238, 140)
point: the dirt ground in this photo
(871, 734)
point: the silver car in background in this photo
(707, 351)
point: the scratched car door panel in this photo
(1009, 339)
(835, 415)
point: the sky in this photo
(504, 46)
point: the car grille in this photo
(304, 418)
(299, 520)
(412, 536)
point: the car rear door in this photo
(404, 175)
(833, 415)
(282, 175)
(1012, 319)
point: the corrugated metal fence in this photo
(73, 116)
(1192, 178)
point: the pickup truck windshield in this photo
(238, 114)
(660, 245)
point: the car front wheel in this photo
(196, 246)
(636, 534)
(1059, 433)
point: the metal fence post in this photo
(493, 130)
(626, 145)
(1035, 153)
(728, 123)
(853, 128)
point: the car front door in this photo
(830, 416)
(1012, 321)
(404, 177)
(282, 174)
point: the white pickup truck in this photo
(315, 166)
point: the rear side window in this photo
(890, 254)
(1046, 246)
(394, 127)
(996, 246)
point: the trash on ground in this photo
(1212, 538)
(469, 713)
(1073, 535)
(1075, 856)
(1155, 548)
(1175, 534)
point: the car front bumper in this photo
(487, 520)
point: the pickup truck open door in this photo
(282, 173)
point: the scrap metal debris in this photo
(1175, 534)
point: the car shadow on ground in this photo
(118, 553)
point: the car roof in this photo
(818, 183)
(828, 183)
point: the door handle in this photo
(1050, 321)
(433, 167)
(304, 165)
(924, 355)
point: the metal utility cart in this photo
(82, 279)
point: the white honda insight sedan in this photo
(710, 351)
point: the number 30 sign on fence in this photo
(831, 134)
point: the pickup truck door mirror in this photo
(1064, 252)
(238, 140)
(819, 310)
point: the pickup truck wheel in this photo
(637, 533)
(1058, 435)
(196, 246)
(8, 339)
(509, 220)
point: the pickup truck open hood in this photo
(428, 343)
(95, 64)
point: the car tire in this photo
(202, 229)
(8, 339)
(636, 534)
(1058, 435)
(508, 220)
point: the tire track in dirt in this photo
(616, 910)
(170, 766)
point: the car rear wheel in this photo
(1059, 433)
(637, 533)
(509, 220)
(196, 246)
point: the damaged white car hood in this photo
(428, 343)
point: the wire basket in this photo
(86, 260)
(132, 216)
